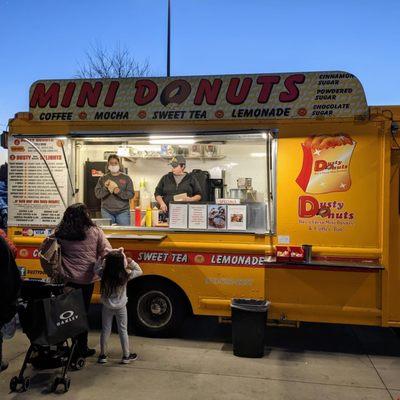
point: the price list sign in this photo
(33, 198)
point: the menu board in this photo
(178, 218)
(237, 217)
(32, 196)
(197, 216)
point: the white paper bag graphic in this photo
(326, 163)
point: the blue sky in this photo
(47, 39)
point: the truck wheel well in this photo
(157, 280)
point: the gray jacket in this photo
(115, 203)
(118, 299)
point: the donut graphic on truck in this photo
(326, 164)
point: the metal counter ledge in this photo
(132, 236)
(325, 265)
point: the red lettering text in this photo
(308, 207)
(69, 92)
(267, 83)
(42, 98)
(320, 165)
(90, 94)
(292, 90)
(209, 91)
(111, 93)
(146, 91)
(232, 95)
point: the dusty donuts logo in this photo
(326, 164)
(324, 216)
(67, 317)
(325, 169)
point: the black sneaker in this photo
(131, 357)
(3, 366)
(88, 353)
(102, 359)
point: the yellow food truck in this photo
(283, 160)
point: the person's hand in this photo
(116, 190)
(187, 198)
(163, 207)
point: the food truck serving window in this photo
(232, 175)
(228, 186)
(235, 172)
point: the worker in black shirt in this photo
(177, 182)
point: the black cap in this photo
(177, 160)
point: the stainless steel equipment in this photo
(216, 189)
(244, 183)
(247, 195)
(217, 193)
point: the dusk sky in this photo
(46, 39)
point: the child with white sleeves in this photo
(116, 271)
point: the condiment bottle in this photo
(148, 217)
(154, 217)
(138, 216)
(145, 197)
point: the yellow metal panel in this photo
(363, 199)
(394, 237)
(304, 294)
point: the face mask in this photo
(113, 168)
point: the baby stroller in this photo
(51, 319)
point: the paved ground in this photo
(313, 362)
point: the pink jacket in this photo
(79, 256)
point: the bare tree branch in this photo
(118, 63)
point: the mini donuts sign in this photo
(225, 97)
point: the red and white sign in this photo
(224, 97)
(326, 164)
(175, 257)
(33, 199)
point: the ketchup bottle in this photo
(138, 216)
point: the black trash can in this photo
(249, 321)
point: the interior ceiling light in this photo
(155, 137)
(172, 141)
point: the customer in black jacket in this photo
(10, 283)
(177, 182)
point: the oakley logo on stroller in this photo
(50, 318)
(67, 314)
(66, 317)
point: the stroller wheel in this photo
(26, 384)
(67, 384)
(14, 383)
(80, 363)
(55, 384)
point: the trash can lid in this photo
(252, 305)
